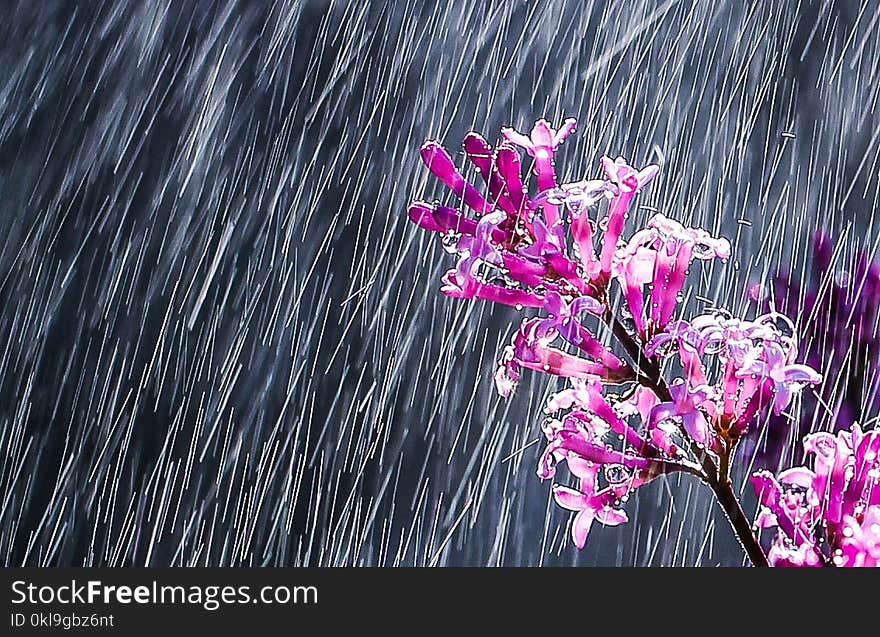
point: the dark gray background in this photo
(223, 343)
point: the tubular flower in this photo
(620, 422)
(659, 257)
(541, 145)
(838, 500)
(752, 367)
(515, 248)
(626, 181)
(532, 349)
(605, 476)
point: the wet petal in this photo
(517, 138)
(580, 527)
(439, 162)
(611, 517)
(801, 374)
(800, 476)
(570, 499)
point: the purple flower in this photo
(838, 302)
(481, 262)
(688, 409)
(626, 181)
(860, 546)
(525, 251)
(585, 396)
(564, 318)
(545, 253)
(659, 256)
(515, 249)
(605, 476)
(769, 362)
(541, 144)
(439, 162)
(733, 368)
(838, 500)
(532, 349)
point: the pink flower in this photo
(482, 264)
(541, 144)
(839, 499)
(563, 317)
(620, 187)
(783, 553)
(769, 362)
(525, 251)
(543, 139)
(860, 546)
(751, 364)
(532, 349)
(439, 162)
(626, 181)
(578, 440)
(586, 397)
(688, 408)
(625, 177)
(659, 256)
(589, 500)
(520, 251)
(590, 503)
(578, 197)
(516, 248)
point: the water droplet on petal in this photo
(450, 242)
(617, 474)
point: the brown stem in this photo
(738, 520)
(724, 469)
(718, 480)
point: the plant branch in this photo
(718, 480)
(727, 499)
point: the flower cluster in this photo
(731, 369)
(605, 320)
(605, 475)
(516, 250)
(840, 310)
(835, 506)
(659, 257)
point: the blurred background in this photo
(223, 343)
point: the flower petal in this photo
(801, 374)
(580, 527)
(517, 138)
(439, 162)
(570, 499)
